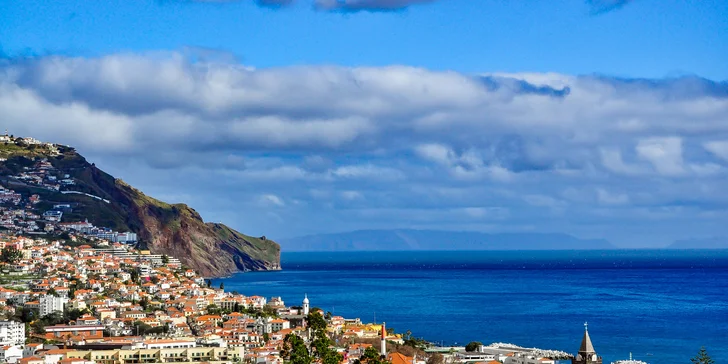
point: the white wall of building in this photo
(12, 333)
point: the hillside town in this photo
(28, 213)
(116, 305)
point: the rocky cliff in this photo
(174, 229)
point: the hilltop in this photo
(406, 240)
(57, 174)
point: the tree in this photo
(371, 356)
(213, 309)
(473, 346)
(294, 349)
(316, 322)
(165, 259)
(134, 276)
(222, 285)
(74, 314)
(11, 255)
(702, 357)
(436, 358)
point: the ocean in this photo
(661, 305)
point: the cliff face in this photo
(176, 230)
(210, 248)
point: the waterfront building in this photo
(586, 354)
(630, 361)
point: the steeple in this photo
(586, 344)
(306, 306)
(586, 354)
(383, 347)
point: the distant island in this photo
(410, 240)
(705, 243)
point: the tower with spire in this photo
(383, 347)
(306, 306)
(586, 354)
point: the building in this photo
(11, 354)
(12, 333)
(87, 331)
(196, 354)
(383, 346)
(306, 306)
(587, 354)
(49, 304)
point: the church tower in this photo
(305, 305)
(383, 347)
(586, 354)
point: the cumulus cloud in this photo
(402, 137)
(665, 154)
(719, 148)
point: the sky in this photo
(598, 118)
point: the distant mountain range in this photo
(707, 243)
(404, 240)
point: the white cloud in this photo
(441, 144)
(605, 197)
(271, 200)
(544, 201)
(664, 153)
(718, 147)
(468, 165)
(612, 160)
(351, 195)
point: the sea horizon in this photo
(636, 300)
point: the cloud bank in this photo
(323, 148)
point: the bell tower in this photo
(586, 354)
(305, 305)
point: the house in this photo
(11, 353)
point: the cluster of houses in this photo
(114, 304)
(129, 303)
(20, 214)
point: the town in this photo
(114, 304)
(29, 214)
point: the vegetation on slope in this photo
(177, 230)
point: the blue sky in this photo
(603, 119)
(645, 38)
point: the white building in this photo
(11, 354)
(306, 307)
(279, 324)
(169, 344)
(50, 304)
(12, 333)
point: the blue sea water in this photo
(660, 305)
